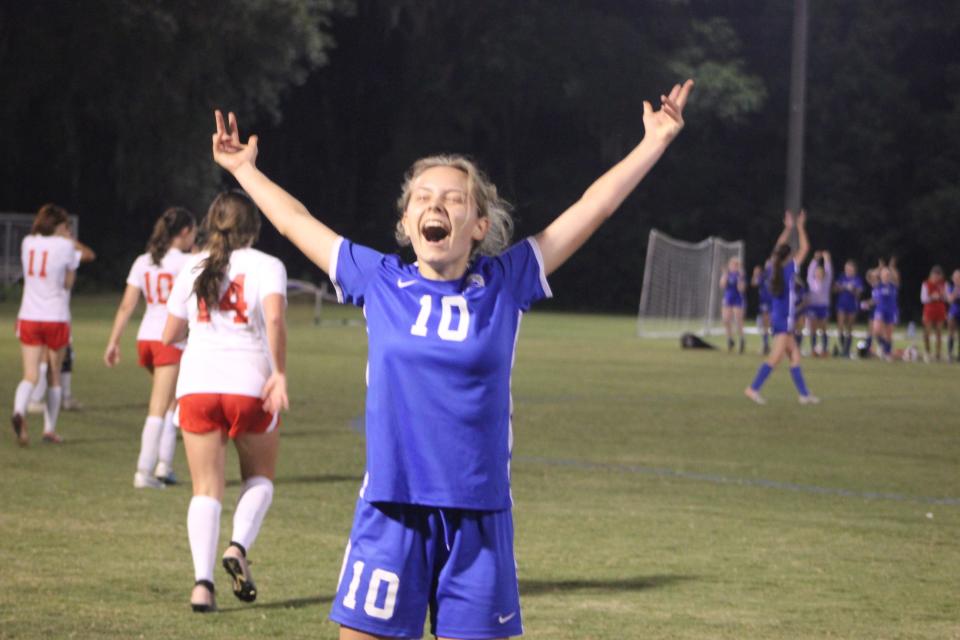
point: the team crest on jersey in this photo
(475, 280)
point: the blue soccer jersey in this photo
(849, 291)
(783, 306)
(438, 373)
(763, 289)
(731, 290)
(885, 297)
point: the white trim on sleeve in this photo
(334, 256)
(543, 273)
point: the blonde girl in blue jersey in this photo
(433, 528)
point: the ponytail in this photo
(168, 226)
(779, 258)
(232, 223)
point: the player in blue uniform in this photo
(885, 280)
(433, 527)
(734, 286)
(849, 287)
(786, 266)
(761, 280)
(953, 313)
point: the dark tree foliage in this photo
(107, 104)
(107, 110)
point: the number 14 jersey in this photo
(227, 348)
(438, 403)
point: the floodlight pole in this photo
(798, 90)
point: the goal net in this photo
(681, 285)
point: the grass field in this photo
(652, 499)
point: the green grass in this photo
(652, 499)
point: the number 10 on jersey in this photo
(445, 330)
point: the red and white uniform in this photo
(155, 283)
(44, 316)
(227, 353)
(933, 295)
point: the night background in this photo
(107, 110)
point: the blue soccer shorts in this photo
(402, 560)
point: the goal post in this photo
(680, 292)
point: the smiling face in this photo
(442, 221)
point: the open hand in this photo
(666, 122)
(111, 357)
(228, 151)
(274, 394)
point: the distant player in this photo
(786, 264)
(953, 313)
(49, 261)
(761, 280)
(433, 527)
(819, 285)
(153, 274)
(67, 402)
(232, 384)
(885, 281)
(849, 287)
(733, 283)
(933, 295)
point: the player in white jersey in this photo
(232, 384)
(49, 263)
(152, 275)
(433, 526)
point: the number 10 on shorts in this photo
(378, 578)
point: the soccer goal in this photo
(14, 227)
(681, 290)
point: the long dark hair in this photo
(779, 258)
(232, 222)
(48, 218)
(168, 226)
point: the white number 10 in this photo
(447, 303)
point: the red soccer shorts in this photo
(934, 312)
(53, 335)
(154, 353)
(235, 414)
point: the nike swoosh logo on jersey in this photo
(403, 284)
(506, 619)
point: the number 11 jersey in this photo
(438, 405)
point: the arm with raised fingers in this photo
(572, 228)
(285, 212)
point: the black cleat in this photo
(20, 429)
(239, 571)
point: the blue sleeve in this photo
(351, 268)
(523, 273)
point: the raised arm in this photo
(804, 248)
(285, 212)
(569, 231)
(274, 394)
(131, 295)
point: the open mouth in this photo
(434, 230)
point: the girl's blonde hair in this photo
(479, 188)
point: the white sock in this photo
(203, 530)
(149, 442)
(168, 441)
(65, 378)
(22, 397)
(255, 498)
(51, 409)
(41, 387)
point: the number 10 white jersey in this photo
(155, 283)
